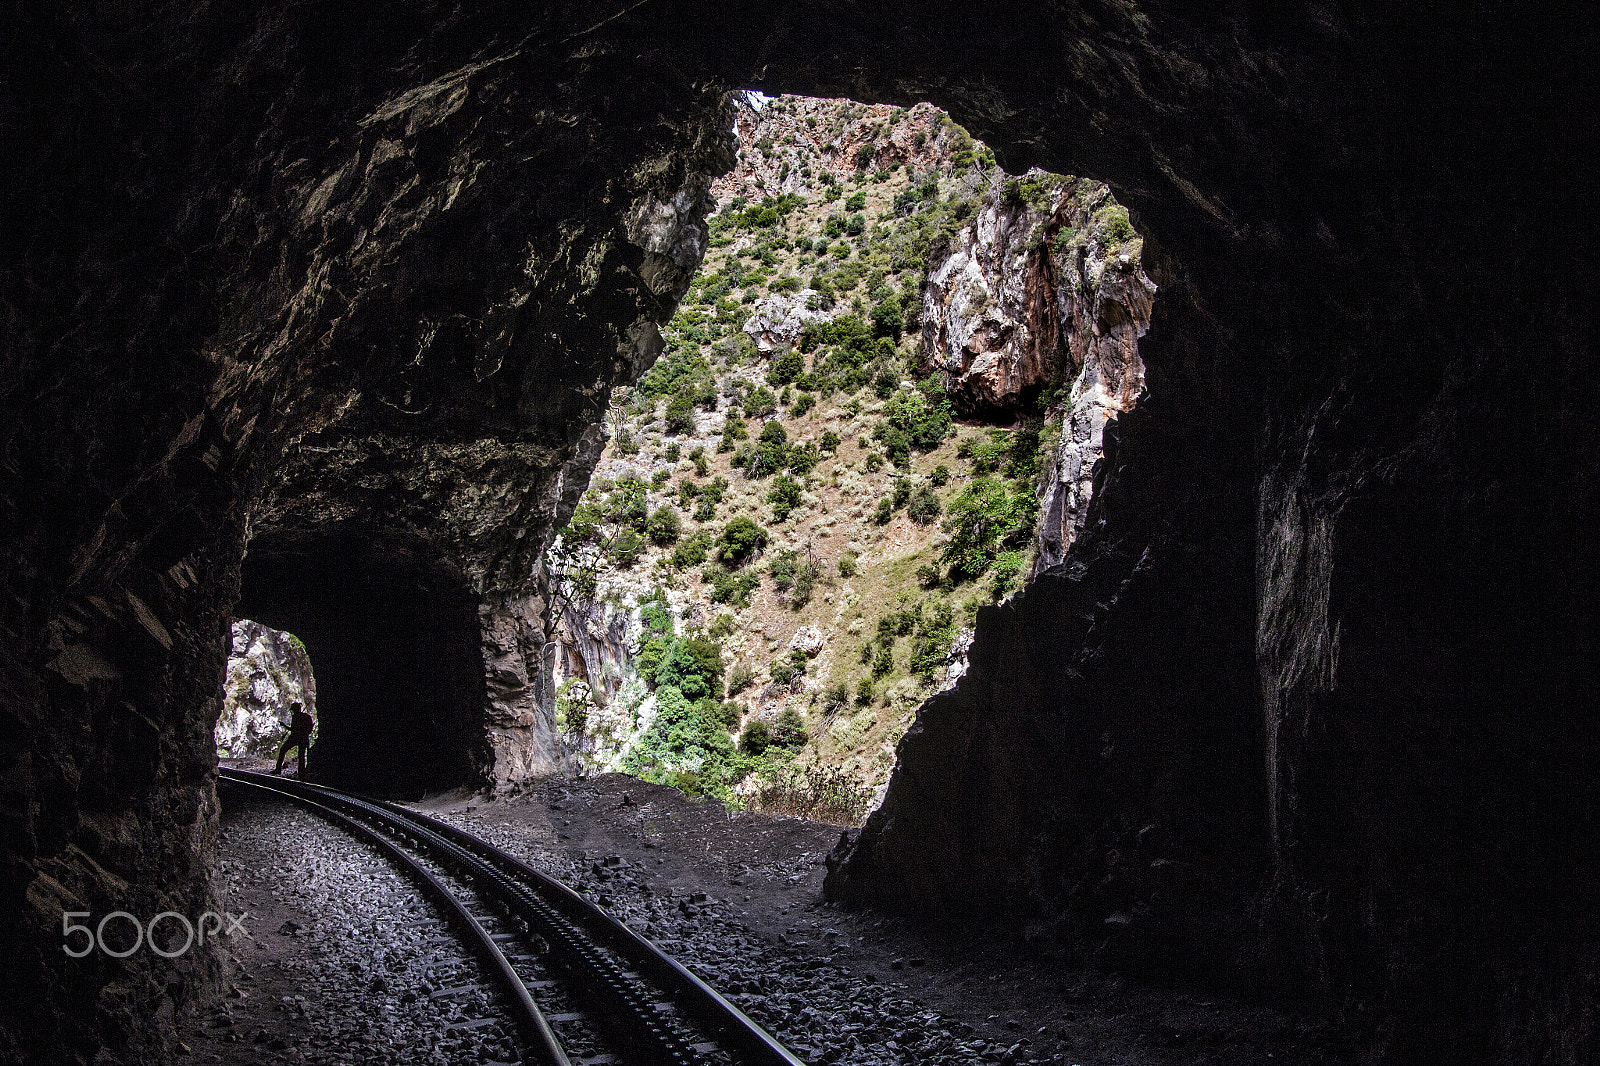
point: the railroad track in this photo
(571, 975)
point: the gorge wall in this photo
(271, 277)
(268, 670)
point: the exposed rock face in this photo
(1030, 290)
(775, 146)
(268, 670)
(776, 321)
(1044, 286)
(524, 738)
(1367, 625)
(988, 310)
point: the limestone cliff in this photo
(1041, 295)
(267, 671)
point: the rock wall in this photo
(1043, 289)
(287, 279)
(268, 670)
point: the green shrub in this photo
(940, 475)
(883, 661)
(1113, 217)
(760, 402)
(1007, 571)
(786, 368)
(672, 451)
(788, 667)
(664, 525)
(857, 200)
(741, 678)
(680, 414)
(724, 716)
(691, 551)
(697, 456)
(784, 497)
(796, 574)
(732, 588)
(626, 548)
(802, 405)
(885, 512)
(830, 441)
(924, 506)
(756, 738)
(887, 319)
(847, 565)
(740, 538)
(679, 372)
(935, 631)
(884, 383)
(874, 462)
(854, 225)
(836, 698)
(790, 730)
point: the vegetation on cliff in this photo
(790, 481)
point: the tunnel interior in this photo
(394, 632)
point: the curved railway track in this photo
(604, 981)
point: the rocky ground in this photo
(735, 895)
(344, 962)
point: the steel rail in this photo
(708, 1005)
(542, 1039)
(545, 901)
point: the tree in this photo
(981, 520)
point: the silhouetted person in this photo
(300, 726)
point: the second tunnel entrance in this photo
(394, 633)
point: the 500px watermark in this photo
(145, 934)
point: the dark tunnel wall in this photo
(393, 633)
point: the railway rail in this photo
(608, 985)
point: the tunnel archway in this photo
(394, 631)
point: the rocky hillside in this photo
(268, 670)
(895, 360)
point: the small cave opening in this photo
(394, 633)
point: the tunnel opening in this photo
(393, 629)
(269, 675)
(881, 406)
